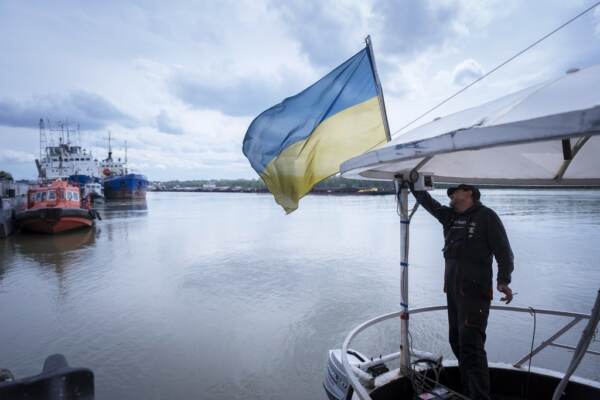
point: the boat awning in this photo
(547, 135)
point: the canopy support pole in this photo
(573, 153)
(402, 196)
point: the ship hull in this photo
(81, 180)
(54, 220)
(130, 186)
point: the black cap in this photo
(469, 188)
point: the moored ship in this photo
(118, 182)
(90, 186)
(55, 208)
(64, 159)
(129, 186)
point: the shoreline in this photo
(362, 192)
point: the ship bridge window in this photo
(75, 196)
(55, 159)
(51, 195)
(38, 196)
(69, 196)
(43, 196)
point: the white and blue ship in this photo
(61, 159)
(118, 182)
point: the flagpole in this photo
(402, 197)
(379, 89)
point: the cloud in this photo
(413, 26)
(236, 96)
(89, 109)
(15, 156)
(207, 71)
(166, 125)
(327, 33)
(466, 72)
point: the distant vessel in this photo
(56, 207)
(118, 182)
(63, 159)
(90, 186)
(93, 189)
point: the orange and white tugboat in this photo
(56, 207)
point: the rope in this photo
(498, 67)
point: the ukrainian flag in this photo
(304, 139)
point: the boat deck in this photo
(506, 384)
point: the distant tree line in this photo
(5, 176)
(335, 183)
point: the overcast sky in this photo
(182, 80)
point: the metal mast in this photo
(401, 184)
(43, 138)
(402, 197)
(109, 148)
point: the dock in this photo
(13, 197)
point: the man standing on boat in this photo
(473, 234)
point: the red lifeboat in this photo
(55, 208)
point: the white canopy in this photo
(548, 134)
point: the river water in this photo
(222, 296)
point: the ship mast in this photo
(78, 136)
(109, 148)
(43, 138)
(68, 134)
(43, 148)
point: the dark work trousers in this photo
(468, 311)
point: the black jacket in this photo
(471, 239)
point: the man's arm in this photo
(498, 242)
(433, 207)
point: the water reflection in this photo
(55, 250)
(157, 289)
(111, 209)
(58, 253)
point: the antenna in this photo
(126, 152)
(109, 147)
(48, 128)
(43, 138)
(61, 139)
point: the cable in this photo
(498, 67)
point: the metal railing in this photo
(356, 373)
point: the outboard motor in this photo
(336, 384)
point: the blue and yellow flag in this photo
(304, 139)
